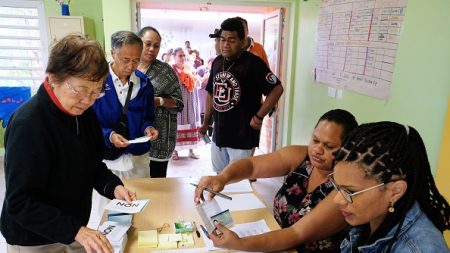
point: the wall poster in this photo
(357, 44)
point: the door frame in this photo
(288, 55)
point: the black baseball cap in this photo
(216, 33)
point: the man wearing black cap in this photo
(216, 37)
(235, 87)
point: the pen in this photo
(196, 230)
(214, 192)
(205, 231)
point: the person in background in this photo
(303, 201)
(48, 194)
(128, 160)
(216, 37)
(168, 100)
(189, 119)
(169, 57)
(187, 46)
(235, 87)
(194, 56)
(387, 192)
(251, 45)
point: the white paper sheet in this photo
(241, 186)
(139, 140)
(240, 202)
(123, 207)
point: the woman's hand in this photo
(93, 241)
(211, 182)
(224, 238)
(123, 193)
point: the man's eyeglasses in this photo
(83, 92)
(348, 195)
(127, 61)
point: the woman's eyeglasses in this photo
(83, 92)
(348, 195)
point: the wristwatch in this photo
(161, 101)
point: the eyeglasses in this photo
(83, 92)
(348, 195)
(127, 61)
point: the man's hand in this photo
(152, 133)
(118, 141)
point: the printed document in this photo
(122, 206)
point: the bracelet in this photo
(161, 101)
(256, 115)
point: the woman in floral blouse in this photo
(306, 184)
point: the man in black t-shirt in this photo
(235, 87)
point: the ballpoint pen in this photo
(214, 192)
(196, 230)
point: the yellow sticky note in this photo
(167, 241)
(148, 239)
(187, 240)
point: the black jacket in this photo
(52, 163)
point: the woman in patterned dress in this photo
(306, 184)
(168, 100)
(189, 119)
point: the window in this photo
(23, 43)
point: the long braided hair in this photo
(389, 151)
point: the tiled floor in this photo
(184, 167)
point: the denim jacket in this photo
(418, 234)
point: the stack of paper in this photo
(116, 233)
(148, 239)
(122, 206)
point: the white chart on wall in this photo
(357, 44)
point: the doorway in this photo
(179, 22)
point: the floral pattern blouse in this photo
(293, 201)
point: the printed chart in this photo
(357, 44)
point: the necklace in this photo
(223, 66)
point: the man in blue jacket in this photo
(126, 159)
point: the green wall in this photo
(92, 9)
(421, 81)
(420, 86)
(116, 16)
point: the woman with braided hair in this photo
(387, 192)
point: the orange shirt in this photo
(258, 50)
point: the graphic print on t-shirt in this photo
(226, 91)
